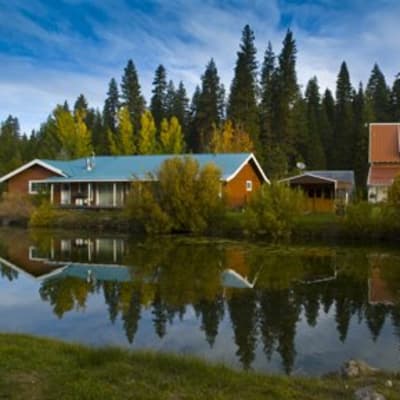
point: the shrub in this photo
(273, 209)
(182, 198)
(363, 219)
(44, 216)
(15, 206)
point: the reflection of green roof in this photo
(125, 168)
(115, 273)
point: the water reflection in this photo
(265, 295)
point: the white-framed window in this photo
(249, 186)
(34, 187)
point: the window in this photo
(249, 186)
(34, 187)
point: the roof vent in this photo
(90, 162)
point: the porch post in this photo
(89, 191)
(114, 194)
(51, 193)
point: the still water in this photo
(294, 310)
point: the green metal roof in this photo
(126, 168)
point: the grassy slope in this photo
(32, 368)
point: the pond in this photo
(288, 309)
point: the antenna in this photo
(300, 165)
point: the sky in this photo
(51, 51)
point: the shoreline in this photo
(42, 368)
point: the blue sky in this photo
(54, 50)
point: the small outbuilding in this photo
(324, 188)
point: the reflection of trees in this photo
(212, 313)
(8, 273)
(131, 314)
(172, 276)
(279, 313)
(243, 312)
(65, 294)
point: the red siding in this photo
(20, 183)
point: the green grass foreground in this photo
(33, 368)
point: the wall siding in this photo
(235, 190)
(20, 182)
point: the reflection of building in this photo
(379, 291)
(84, 258)
(323, 188)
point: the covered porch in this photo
(322, 190)
(89, 194)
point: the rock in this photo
(356, 368)
(368, 393)
(389, 383)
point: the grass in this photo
(33, 368)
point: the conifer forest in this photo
(265, 110)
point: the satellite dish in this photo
(300, 165)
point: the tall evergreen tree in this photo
(158, 100)
(287, 94)
(131, 94)
(193, 139)
(378, 95)
(10, 156)
(314, 156)
(242, 104)
(180, 107)
(362, 116)
(210, 106)
(327, 122)
(111, 107)
(344, 137)
(395, 100)
(267, 138)
(81, 104)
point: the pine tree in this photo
(395, 100)
(344, 141)
(378, 95)
(10, 156)
(99, 134)
(210, 105)
(180, 107)
(362, 116)
(169, 99)
(158, 100)
(111, 107)
(242, 104)
(287, 94)
(314, 156)
(267, 97)
(327, 124)
(81, 104)
(193, 139)
(147, 134)
(131, 94)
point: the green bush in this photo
(273, 210)
(363, 219)
(182, 198)
(44, 216)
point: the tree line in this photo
(266, 111)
